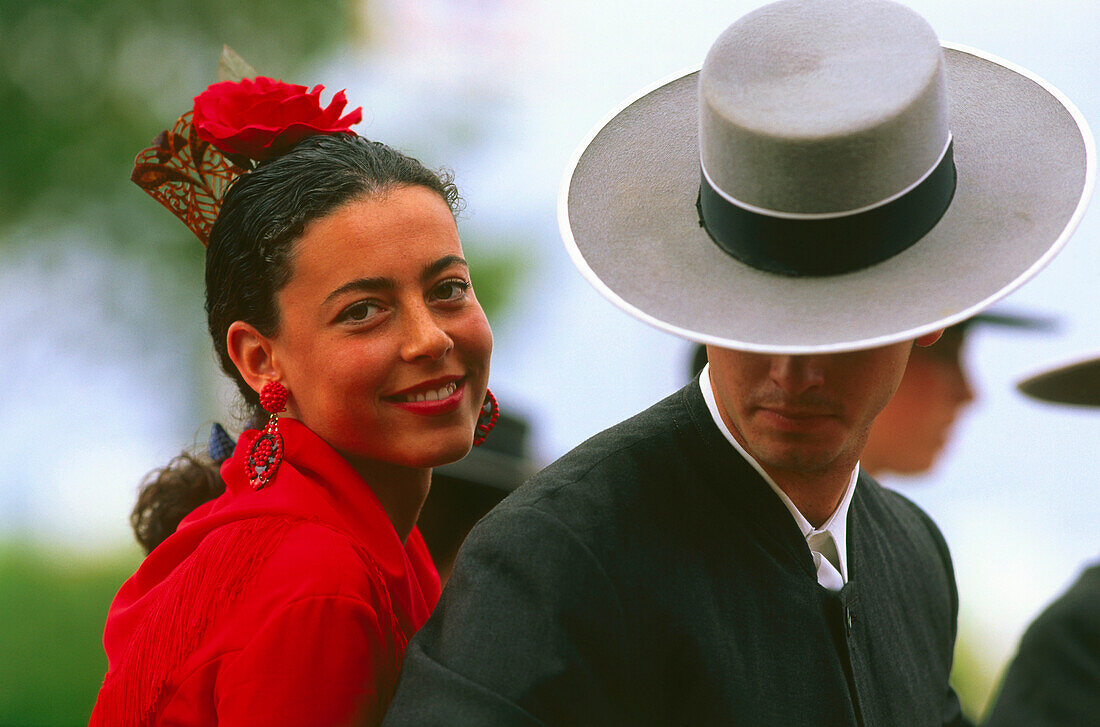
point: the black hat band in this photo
(829, 244)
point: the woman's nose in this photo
(424, 337)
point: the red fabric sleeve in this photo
(321, 660)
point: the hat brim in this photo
(1075, 382)
(1026, 166)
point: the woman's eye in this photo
(450, 290)
(360, 311)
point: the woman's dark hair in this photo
(248, 260)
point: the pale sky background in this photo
(514, 86)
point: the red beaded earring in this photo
(487, 419)
(267, 451)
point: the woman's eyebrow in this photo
(362, 285)
(367, 285)
(433, 269)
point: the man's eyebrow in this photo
(362, 285)
(433, 269)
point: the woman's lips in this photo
(441, 399)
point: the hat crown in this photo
(820, 106)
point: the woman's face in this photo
(381, 343)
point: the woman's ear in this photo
(251, 352)
(929, 338)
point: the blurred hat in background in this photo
(1074, 382)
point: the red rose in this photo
(263, 118)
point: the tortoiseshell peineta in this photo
(187, 175)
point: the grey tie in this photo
(823, 549)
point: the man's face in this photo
(806, 415)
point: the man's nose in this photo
(796, 374)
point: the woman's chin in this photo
(454, 454)
(420, 452)
(441, 451)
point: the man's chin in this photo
(799, 459)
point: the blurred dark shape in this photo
(1054, 679)
(464, 491)
(1075, 383)
(1011, 319)
(698, 359)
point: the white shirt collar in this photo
(836, 525)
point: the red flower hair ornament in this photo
(232, 125)
(264, 118)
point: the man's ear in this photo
(251, 352)
(929, 338)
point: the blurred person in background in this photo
(911, 432)
(1054, 679)
(464, 491)
(336, 294)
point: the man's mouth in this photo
(798, 413)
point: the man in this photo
(911, 432)
(1054, 679)
(719, 559)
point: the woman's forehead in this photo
(393, 235)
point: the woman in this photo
(337, 294)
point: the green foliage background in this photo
(52, 608)
(84, 82)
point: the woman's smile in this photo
(432, 398)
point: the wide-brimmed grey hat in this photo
(832, 178)
(1070, 382)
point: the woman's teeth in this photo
(436, 395)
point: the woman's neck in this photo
(400, 490)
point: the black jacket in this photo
(651, 577)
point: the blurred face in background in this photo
(914, 427)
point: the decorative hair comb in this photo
(234, 124)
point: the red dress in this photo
(291, 605)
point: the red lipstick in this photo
(406, 399)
